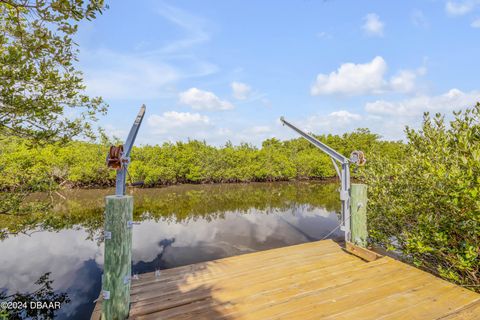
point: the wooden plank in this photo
(467, 312)
(213, 270)
(258, 258)
(241, 287)
(308, 281)
(256, 303)
(334, 295)
(358, 214)
(363, 253)
(302, 253)
(432, 305)
(97, 310)
(406, 301)
(225, 273)
(267, 278)
(392, 304)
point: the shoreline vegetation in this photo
(82, 164)
(423, 193)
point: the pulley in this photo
(358, 157)
(114, 157)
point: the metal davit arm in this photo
(133, 131)
(343, 174)
(322, 146)
(119, 157)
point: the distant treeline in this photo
(82, 164)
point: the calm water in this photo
(179, 225)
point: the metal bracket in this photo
(106, 294)
(125, 161)
(107, 235)
(344, 195)
(130, 223)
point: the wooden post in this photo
(117, 258)
(358, 214)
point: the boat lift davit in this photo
(356, 157)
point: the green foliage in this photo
(426, 203)
(41, 92)
(80, 164)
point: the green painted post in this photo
(358, 214)
(117, 258)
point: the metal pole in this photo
(345, 198)
(120, 185)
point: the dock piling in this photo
(118, 255)
(358, 211)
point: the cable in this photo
(335, 229)
(129, 176)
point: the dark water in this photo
(179, 225)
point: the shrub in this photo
(426, 204)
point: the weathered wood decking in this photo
(316, 280)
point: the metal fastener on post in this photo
(118, 221)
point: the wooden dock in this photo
(317, 280)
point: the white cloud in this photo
(115, 75)
(176, 126)
(418, 18)
(193, 26)
(344, 116)
(458, 8)
(452, 100)
(373, 26)
(203, 100)
(125, 76)
(365, 78)
(255, 134)
(113, 131)
(337, 122)
(405, 80)
(476, 23)
(260, 129)
(174, 122)
(352, 79)
(241, 91)
(324, 35)
(149, 73)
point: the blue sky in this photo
(227, 70)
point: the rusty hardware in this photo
(358, 157)
(114, 158)
(118, 158)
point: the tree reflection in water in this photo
(181, 225)
(45, 295)
(84, 208)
